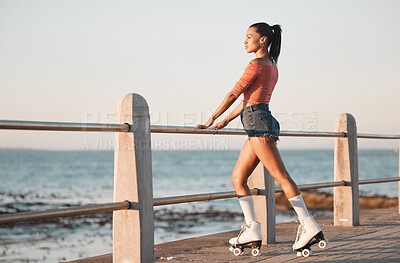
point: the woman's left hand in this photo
(205, 125)
(221, 124)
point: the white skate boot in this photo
(306, 232)
(249, 236)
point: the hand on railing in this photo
(207, 124)
(217, 126)
(221, 124)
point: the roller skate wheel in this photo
(237, 251)
(306, 252)
(231, 249)
(298, 253)
(322, 244)
(256, 252)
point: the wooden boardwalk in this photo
(377, 239)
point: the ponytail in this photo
(275, 48)
(273, 34)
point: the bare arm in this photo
(225, 104)
(230, 117)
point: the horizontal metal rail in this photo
(379, 180)
(63, 126)
(312, 134)
(232, 194)
(198, 197)
(112, 127)
(229, 131)
(104, 208)
(109, 127)
(305, 187)
(63, 212)
(378, 136)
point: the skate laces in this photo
(301, 230)
(243, 230)
(303, 226)
(299, 233)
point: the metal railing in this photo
(346, 177)
(112, 127)
(62, 126)
(63, 212)
(110, 207)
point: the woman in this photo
(257, 84)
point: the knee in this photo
(237, 179)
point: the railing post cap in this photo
(345, 116)
(136, 98)
(344, 121)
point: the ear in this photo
(263, 40)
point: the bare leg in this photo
(267, 152)
(245, 165)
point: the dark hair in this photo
(273, 34)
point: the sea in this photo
(38, 180)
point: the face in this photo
(253, 40)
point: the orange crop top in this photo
(256, 84)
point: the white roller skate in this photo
(308, 234)
(250, 236)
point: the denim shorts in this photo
(258, 121)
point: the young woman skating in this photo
(257, 84)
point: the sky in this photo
(72, 61)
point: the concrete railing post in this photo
(264, 203)
(345, 198)
(133, 229)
